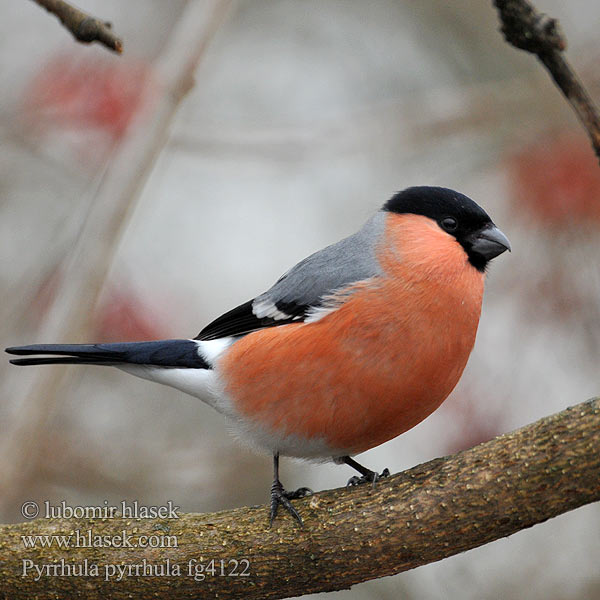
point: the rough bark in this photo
(427, 513)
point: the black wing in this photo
(306, 285)
(242, 320)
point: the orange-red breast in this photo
(353, 346)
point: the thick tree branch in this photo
(84, 27)
(526, 28)
(427, 513)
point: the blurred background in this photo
(143, 195)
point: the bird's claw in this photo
(299, 493)
(279, 496)
(371, 477)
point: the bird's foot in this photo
(299, 493)
(279, 496)
(370, 477)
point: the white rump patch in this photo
(211, 350)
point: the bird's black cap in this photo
(437, 203)
(457, 215)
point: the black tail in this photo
(163, 353)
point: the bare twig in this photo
(526, 28)
(427, 513)
(110, 205)
(84, 27)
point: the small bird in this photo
(351, 347)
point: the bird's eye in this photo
(449, 223)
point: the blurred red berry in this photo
(83, 93)
(45, 294)
(124, 316)
(557, 180)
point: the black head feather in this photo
(454, 212)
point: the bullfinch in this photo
(351, 347)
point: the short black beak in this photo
(489, 242)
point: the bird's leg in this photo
(280, 496)
(366, 474)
